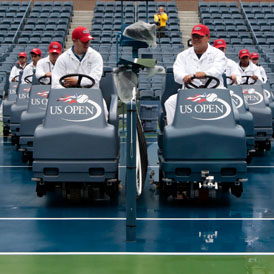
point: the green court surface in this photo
(133, 264)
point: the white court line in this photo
(148, 166)
(146, 253)
(260, 166)
(138, 219)
(247, 166)
(15, 166)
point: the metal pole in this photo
(131, 173)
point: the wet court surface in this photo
(53, 224)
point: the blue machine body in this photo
(34, 115)
(76, 143)
(7, 103)
(203, 136)
(259, 107)
(18, 107)
(270, 96)
(245, 116)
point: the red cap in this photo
(55, 47)
(36, 51)
(243, 52)
(219, 43)
(254, 55)
(22, 54)
(82, 34)
(201, 30)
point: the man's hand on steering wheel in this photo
(48, 74)
(200, 75)
(70, 82)
(187, 79)
(232, 79)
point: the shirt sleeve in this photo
(26, 72)
(217, 68)
(95, 71)
(257, 72)
(39, 70)
(12, 73)
(235, 70)
(58, 71)
(263, 74)
(164, 16)
(179, 68)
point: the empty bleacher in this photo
(251, 28)
(23, 27)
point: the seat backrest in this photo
(170, 86)
(107, 85)
(75, 106)
(38, 98)
(197, 107)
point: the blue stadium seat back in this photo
(33, 115)
(204, 117)
(259, 106)
(91, 144)
(245, 116)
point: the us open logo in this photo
(77, 105)
(236, 99)
(41, 100)
(13, 89)
(252, 96)
(206, 107)
(25, 94)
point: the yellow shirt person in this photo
(160, 19)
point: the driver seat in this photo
(189, 147)
(75, 144)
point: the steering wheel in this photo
(247, 79)
(231, 80)
(210, 79)
(80, 76)
(44, 77)
(26, 79)
(16, 78)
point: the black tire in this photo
(6, 131)
(41, 189)
(141, 168)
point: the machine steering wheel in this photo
(44, 77)
(26, 79)
(247, 79)
(210, 79)
(80, 77)
(16, 78)
(231, 80)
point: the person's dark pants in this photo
(161, 32)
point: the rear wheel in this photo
(141, 158)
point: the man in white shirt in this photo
(254, 56)
(232, 69)
(45, 66)
(80, 58)
(199, 61)
(36, 54)
(20, 65)
(247, 68)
